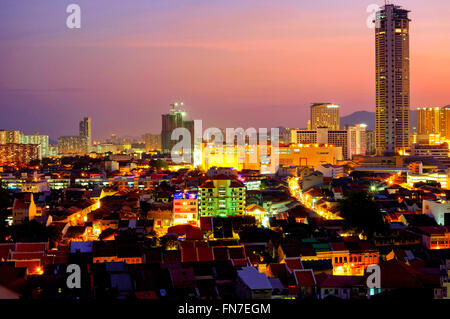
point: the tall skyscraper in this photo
(174, 119)
(324, 115)
(392, 79)
(86, 131)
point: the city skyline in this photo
(278, 73)
(228, 158)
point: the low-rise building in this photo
(251, 284)
(439, 210)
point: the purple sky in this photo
(233, 62)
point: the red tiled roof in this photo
(31, 247)
(329, 281)
(206, 224)
(146, 294)
(236, 184)
(236, 252)
(304, 278)
(396, 274)
(205, 254)
(242, 262)
(199, 243)
(19, 255)
(293, 264)
(278, 271)
(188, 254)
(435, 230)
(207, 184)
(4, 250)
(221, 253)
(293, 290)
(366, 245)
(338, 246)
(186, 244)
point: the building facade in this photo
(73, 145)
(41, 140)
(433, 120)
(86, 131)
(392, 79)
(439, 151)
(325, 115)
(185, 208)
(357, 143)
(323, 136)
(221, 196)
(18, 154)
(7, 137)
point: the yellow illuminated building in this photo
(254, 158)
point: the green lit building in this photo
(221, 196)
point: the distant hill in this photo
(369, 119)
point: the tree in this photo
(31, 230)
(361, 214)
(158, 164)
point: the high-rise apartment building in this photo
(370, 143)
(77, 145)
(7, 137)
(86, 131)
(356, 139)
(72, 145)
(152, 141)
(19, 154)
(392, 79)
(324, 115)
(36, 138)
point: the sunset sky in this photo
(234, 63)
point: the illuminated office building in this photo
(322, 135)
(253, 157)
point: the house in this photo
(251, 284)
(306, 282)
(333, 171)
(24, 208)
(439, 210)
(435, 237)
(343, 287)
